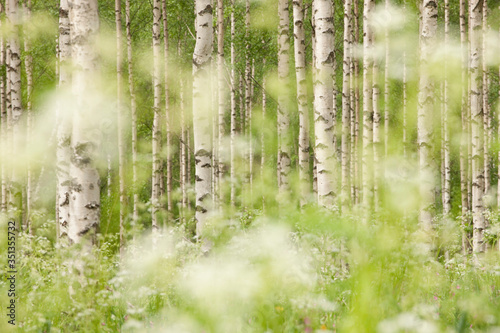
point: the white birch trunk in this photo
(84, 210)
(234, 119)
(133, 109)
(346, 107)
(476, 107)
(28, 62)
(284, 141)
(300, 74)
(367, 158)
(445, 124)
(201, 111)
(323, 102)
(426, 104)
(157, 170)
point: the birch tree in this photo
(201, 111)
(446, 195)
(63, 153)
(284, 146)
(234, 115)
(425, 109)
(346, 105)
(323, 102)
(476, 107)
(300, 74)
(84, 210)
(121, 141)
(156, 176)
(367, 158)
(133, 109)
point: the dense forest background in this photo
(306, 165)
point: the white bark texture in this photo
(323, 102)
(426, 103)
(201, 111)
(284, 139)
(300, 74)
(446, 197)
(234, 119)
(367, 158)
(85, 192)
(63, 153)
(133, 109)
(156, 175)
(476, 108)
(346, 107)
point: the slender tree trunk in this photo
(3, 112)
(121, 142)
(465, 131)
(28, 63)
(377, 148)
(386, 85)
(156, 176)
(262, 136)
(201, 115)
(222, 93)
(300, 71)
(284, 139)
(486, 106)
(426, 101)
(64, 121)
(346, 106)
(323, 102)
(133, 108)
(356, 111)
(168, 116)
(234, 119)
(476, 107)
(367, 158)
(14, 74)
(445, 124)
(84, 207)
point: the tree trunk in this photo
(168, 116)
(222, 93)
(3, 112)
(476, 107)
(121, 142)
(63, 154)
(323, 102)
(367, 158)
(300, 70)
(445, 125)
(426, 101)
(386, 85)
(133, 109)
(84, 212)
(28, 62)
(284, 139)
(156, 176)
(346, 106)
(234, 119)
(486, 106)
(201, 113)
(15, 94)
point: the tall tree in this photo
(3, 112)
(284, 146)
(84, 207)
(446, 192)
(234, 120)
(367, 158)
(28, 65)
(64, 122)
(157, 170)
(121, 141)
(346, 106)
(201, 110)
(133, 109)
(300, 74)
(168, 116)
(323, 102)
(426, 101)
(476, 107)
(221, 84)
